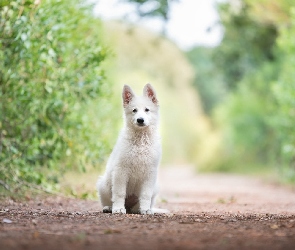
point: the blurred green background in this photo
(229, 108)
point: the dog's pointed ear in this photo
(150, 93)
(127, 95)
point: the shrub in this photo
(284, 91)
(50, 63)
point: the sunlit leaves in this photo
(284, 90)
(153, 8)
(50, 63)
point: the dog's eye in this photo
(146, 110)
(134, 110)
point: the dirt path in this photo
(186, 191)
(207, 212)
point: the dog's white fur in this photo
(130, 180)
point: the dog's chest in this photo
(141, 153)
(141, 164)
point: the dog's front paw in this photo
(146, 211)
(119, 211)
(107, 209)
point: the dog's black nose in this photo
(140, 120)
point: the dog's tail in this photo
(160, 211)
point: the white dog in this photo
(129, 183)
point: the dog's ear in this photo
(127, 95)
(150, 93)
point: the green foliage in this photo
(50, 62)
(152, 8)
(246, 44)
(256, 62)
(270, 12)
(245, 119)
(284, 90)
(208, 79)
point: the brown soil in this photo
(207, 212)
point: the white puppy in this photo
(129, 183)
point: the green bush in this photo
(258, 118)
(254, 65)
(284, 91)
(246, 43)
(50, 71)
(208, 80)
(245, 119)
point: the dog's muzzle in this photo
(140, 122)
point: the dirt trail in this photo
(207, 212)
(187, 191)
